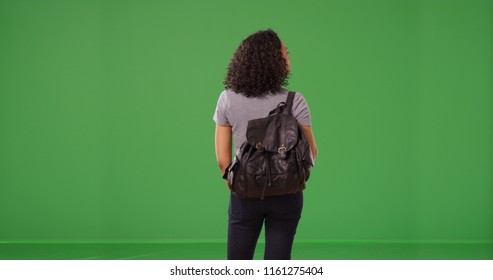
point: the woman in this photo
(256, 72)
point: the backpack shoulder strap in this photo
(289, 102)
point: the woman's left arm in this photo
(223, 142)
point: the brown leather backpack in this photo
(274, 160)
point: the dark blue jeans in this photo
(246, 217)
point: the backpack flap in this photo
(277, 132)
(273, 133)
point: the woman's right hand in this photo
(307, 129)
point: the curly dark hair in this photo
(257, 65)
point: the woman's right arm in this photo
(307, 129)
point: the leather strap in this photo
(289, 103)
(286, 110)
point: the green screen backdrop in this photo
(106, 130)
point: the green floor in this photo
(336, 250)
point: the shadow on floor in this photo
(217, 251)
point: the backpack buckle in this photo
(259, 146)
(281, 150)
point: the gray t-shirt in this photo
(236, 110)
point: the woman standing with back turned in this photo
(259, 68)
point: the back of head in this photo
(257, 66)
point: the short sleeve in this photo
(221, 109)
(300, 110)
